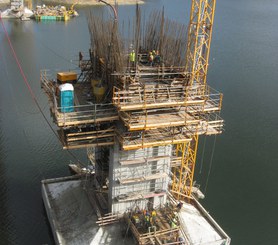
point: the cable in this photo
(58, 55)
(210, 164)
(203, 153)
(30, 89)
(40, 41)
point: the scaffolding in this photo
(143, 132)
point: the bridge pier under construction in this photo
(139, 105)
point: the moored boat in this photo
(57, 13)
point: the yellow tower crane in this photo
(197, 56)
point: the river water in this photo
(238, 177)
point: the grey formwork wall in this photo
(140, 177)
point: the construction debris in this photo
(19, 11)
(54, 13)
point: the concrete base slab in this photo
(72, 218)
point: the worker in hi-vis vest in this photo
(132, 57)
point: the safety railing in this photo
(213, 101)
(85, 114)
(151, 138)
(89, 137)
(46, 83)
(209, 124)
(157, 96)
(156, 118)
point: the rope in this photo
(29, 87)
(210, 164)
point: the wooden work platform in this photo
(206, 127)
(157, 119)
(150, 138)
(147, 72)
(153, 97)
(84, 110)
(86, 114)
(160, 104)
(75, 140)
(162, 227)
(195, 98)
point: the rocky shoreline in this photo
(2, 2)
(84, 2)
(94, 2)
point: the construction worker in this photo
(153, 217)
(80, 59)
(144, 212)
(179, 206)
(132, 57)
(151, 58)
(147, 220)
(174, 223)
(180, 240)
(157, 58)
(136, 220)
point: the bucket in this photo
(95, 82)
(99, 92)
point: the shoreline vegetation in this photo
(84, 2)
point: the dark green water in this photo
(242, 189)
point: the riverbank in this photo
(82, 2)
(94, 2)
(4, 2)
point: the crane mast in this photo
(199, 39)
(197, 56)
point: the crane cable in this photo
(29, 87)
(56, 53)
(210, 164)
(203, 153)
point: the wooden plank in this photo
(153, 194)
(157, 239)
(91, 132)
(130, 107)
(148, 125)
(144, 178)
(159, 233)
(108, 222)
(71, 122)
(83, 145)
(143, 160)
(101, 221)
(108, 216)
(82, 138)
(154, 143)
